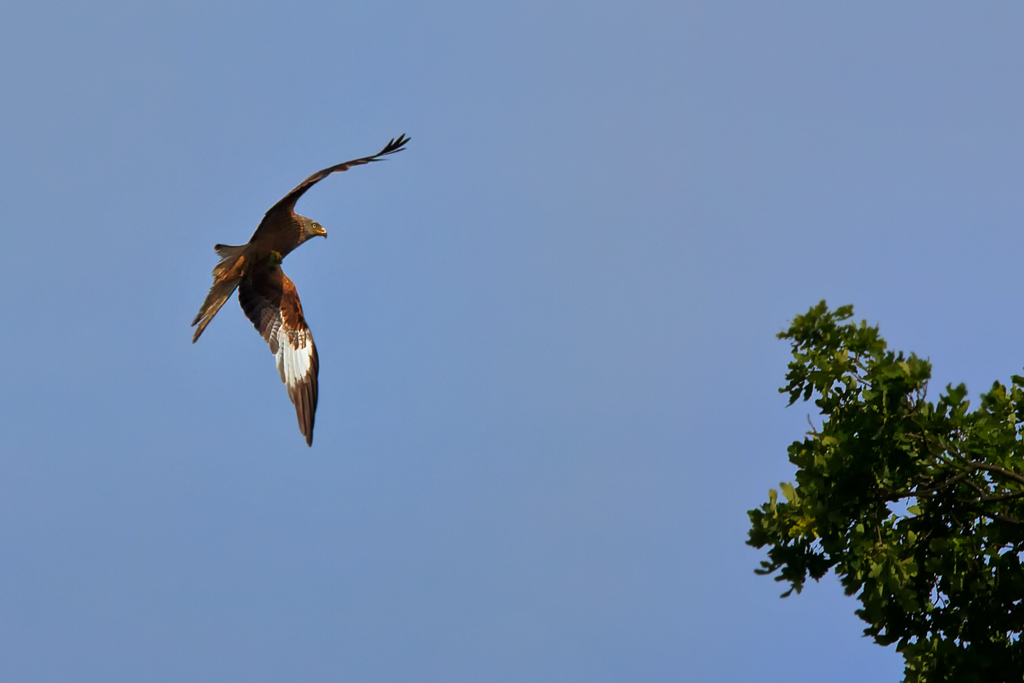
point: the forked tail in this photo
(226, 276)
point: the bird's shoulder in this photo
(279, 230)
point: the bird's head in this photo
(310, 228)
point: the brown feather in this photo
(226, 276)
(286, 205)
(269, 300)
(268, 297)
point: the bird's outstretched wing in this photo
(287, 203)
(270, 301)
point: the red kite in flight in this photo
(269, 298)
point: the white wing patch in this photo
(294, 357)
(270, 304)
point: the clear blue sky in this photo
(548, 365)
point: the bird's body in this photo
(268, 297)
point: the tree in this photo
(918, 507)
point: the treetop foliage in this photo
(917, 506)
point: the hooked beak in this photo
(320, 231)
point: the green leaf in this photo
(788, 491)
(941, 582)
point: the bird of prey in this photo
(269, 298)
